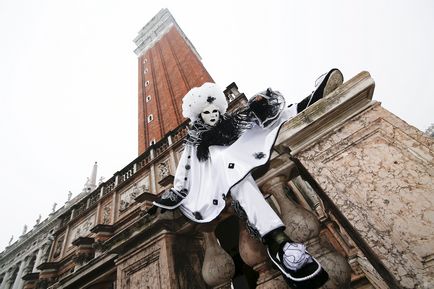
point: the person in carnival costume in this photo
(221, 149)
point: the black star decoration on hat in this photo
(210, 99)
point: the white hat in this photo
(198, 98)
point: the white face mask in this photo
(210, 114)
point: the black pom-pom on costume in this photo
(261, 108)
(228, 129)
(230, 126)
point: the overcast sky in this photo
(68, 76)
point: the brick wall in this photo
(172, 69)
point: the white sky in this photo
(68, 76)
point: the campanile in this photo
(169, 66)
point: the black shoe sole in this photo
(333, 79)
(315, 282)
(317, 279)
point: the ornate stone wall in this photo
(165, 261)
(379, 171)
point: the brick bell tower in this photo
(169, 66)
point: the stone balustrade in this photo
(165, 250)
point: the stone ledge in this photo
(83, 241)
(102, 228)
(346, 101)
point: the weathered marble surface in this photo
(141, 269)
(379, 172)
(164, 262)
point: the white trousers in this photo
(258, 211)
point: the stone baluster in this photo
(303, 226)
(254, 255)
(218, 267)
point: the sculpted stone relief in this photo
(127, 197)
(163, 169)
(58, 247)
(82, 229)
(106, 214)
(142, 273)
(147, 277)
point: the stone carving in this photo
(86, 187)
(46, 248)
(58, 246)
(38, 220)
(10, 240)
(106, 215)
(24, 230)
(81, 230)
(144, 271)
(69, 196)
(145, 184)
(123, 205)
(135, 192)
(53, 209)
(163, 169)
(127, 197)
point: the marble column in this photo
(254, 255)
(218, 267)
(5, 280)
(38, 258)
(18, 282)
(303, 226)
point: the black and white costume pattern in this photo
(221, 150)
(227, 167)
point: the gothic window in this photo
(145, 60)
(150, 117)
(148, 98)
(145, 71)
(146, 83)
(152, 142)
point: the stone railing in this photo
(302, 205)
(127, 173)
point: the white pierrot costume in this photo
(218, 158)
(228, 170)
